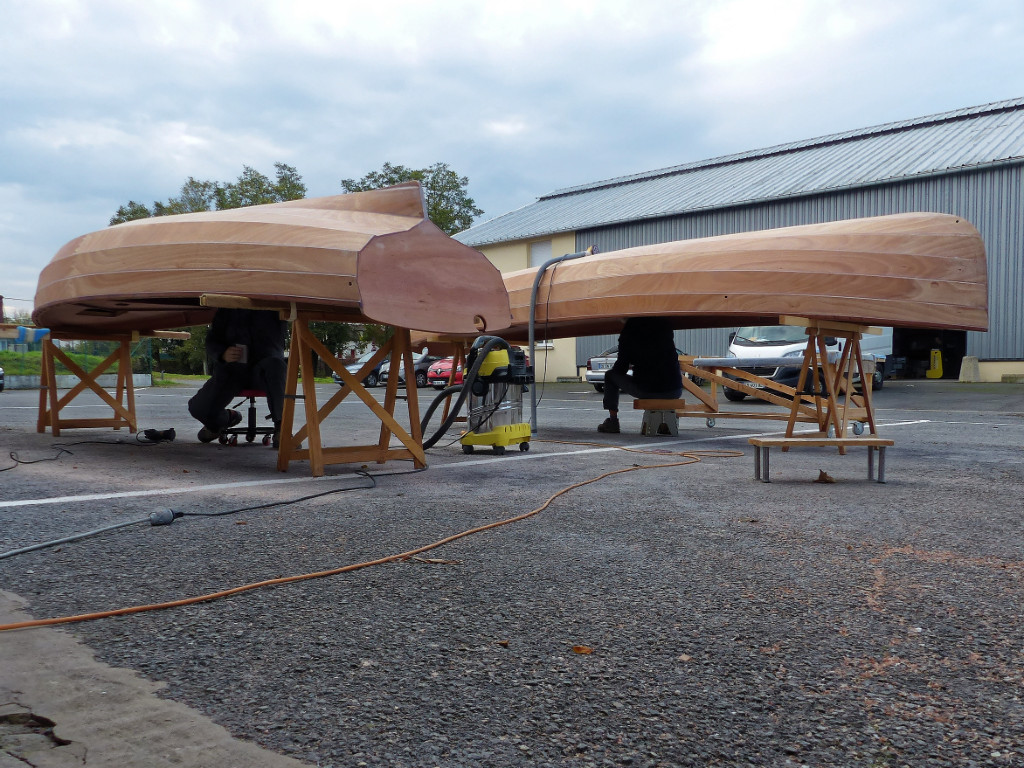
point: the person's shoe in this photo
(207, 435)
(275, 441)
(609, 426)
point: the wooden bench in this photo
(763, 445)
(658, 413)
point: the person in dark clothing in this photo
(647, 345)
(245, 350)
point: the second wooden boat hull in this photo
(921, 270)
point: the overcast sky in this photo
(104, 101)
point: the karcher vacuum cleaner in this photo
(495, 380)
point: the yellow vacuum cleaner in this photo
(496, 401)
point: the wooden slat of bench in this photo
(846, 442)
(659, 405)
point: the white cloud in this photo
(111, 100)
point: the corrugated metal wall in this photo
(992, 199)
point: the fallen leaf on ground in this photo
(582, 649)
(824, 477)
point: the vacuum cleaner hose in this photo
(482, 346)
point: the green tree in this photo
(195, 196)
(129, 212)
(251, 188)
(449, 205)
(254, 188)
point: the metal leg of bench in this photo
(761, 466)
(871, 462)
(881, 464)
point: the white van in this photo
(772, 342)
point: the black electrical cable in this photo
(165, 517)
(17, 461)
(361, 473)
(69, 539)
(141, 438)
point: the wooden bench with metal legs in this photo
(763, 446)
(660, 417)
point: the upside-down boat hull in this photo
(922, 270)
(362, 257)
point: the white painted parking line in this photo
(660, 444)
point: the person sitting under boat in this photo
(245, 350)
(648, 346)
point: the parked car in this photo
(440, 372)
(372, 378)
(421, 364)
(599, 364)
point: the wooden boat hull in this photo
(923, 270)
(362, 257)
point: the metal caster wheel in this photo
(467, 449)
(858, 428)
(710, 423)
(266, 439)
(223, 439)
(524, 447)
(499, 450)
(233, 440)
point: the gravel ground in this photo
(728, 622)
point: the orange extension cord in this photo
(691, 457)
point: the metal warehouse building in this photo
(969, 163)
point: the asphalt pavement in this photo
(664, 609)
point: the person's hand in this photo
(232, 354)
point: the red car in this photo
(439, 373)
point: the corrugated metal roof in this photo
(951, 141)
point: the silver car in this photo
(599, 364)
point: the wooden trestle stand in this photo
(300, 367)
(824, 396)
(122, 403)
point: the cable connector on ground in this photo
(164, 516)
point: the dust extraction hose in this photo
(482, 346)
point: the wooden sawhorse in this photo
(300, 374)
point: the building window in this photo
(540, 252)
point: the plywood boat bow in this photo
(361, 257)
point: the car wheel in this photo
(734, 396)
(371, 380)
(878, 379)
(421, 379)
(599, 387)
